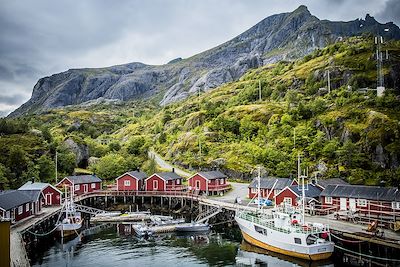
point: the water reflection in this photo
(249, 255)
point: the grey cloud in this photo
(391, 12)
(11, 100)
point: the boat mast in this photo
(302, 188)
(258, 188)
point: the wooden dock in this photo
(131, 218)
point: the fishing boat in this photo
(285, 231)
(72, 221)
(193, 227)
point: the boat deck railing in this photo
(267, 221)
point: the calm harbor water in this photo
(117, 246)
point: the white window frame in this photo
(93, 185)
(221, 181)
(253, 190)
(328, 200)
(77, 187)
(178, 181)
(127, 183)
(20, 209)
(361, 202)
(27, 206)
(287, 200)
(155, 185)
(396, 205)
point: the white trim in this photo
(2, 209)
(396, 205)
(127, 183)
(155, 175)
(55, 188)
(287, 187)
(127, 173)
(21, 207)
(65, 178)
(364, 200)
(288, 198)
(326, 200)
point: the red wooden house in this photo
(133, 180)
(82, 183)
(211, 182)
(365, 199)
(14, 205)
(293, 194)
(164, 181)
(51, 195)
(269, 186)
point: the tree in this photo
(66, 161)
(112, 165)
(46, 168)
(4, 182)
(114, 146)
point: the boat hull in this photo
(273, 241)
(192, 228)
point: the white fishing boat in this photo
(72, 221)
(285, 231)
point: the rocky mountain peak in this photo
(284, 36)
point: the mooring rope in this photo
(348, 241)
(52, 230)
(367, 256)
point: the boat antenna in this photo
(302, 188)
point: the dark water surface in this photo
(116, 246)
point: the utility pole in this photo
(198, 121)
(379, 70)
(329, 83)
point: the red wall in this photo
(25, 212)
(127, 177)
(149, 183)
(81, 187)
(55, 196)
(203, 182)
(286, 193)
(373, 204)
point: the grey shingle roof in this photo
(268, 183)
(138, 175)
(169, 175)
(211, 175)
(12, 198)
(311, 191)
(363, 191)
(333, 181)
(33, 195)
(84, 179)
(36, 186)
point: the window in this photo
(260, 230)
(221, 181)
(198, 184)
(127, 183)
(297, 240)
(328, 200)
(287, 200)
(77, 187)
(396, 205)
(20, 209)
(93, 185)
(254, 190)
(27, 207)
(178, 181)
(362, 202)
(155, 185)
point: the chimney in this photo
(138, 169)
(32, 180)
(173, 169)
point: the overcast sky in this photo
(42, 37)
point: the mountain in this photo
(283, 36)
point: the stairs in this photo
(89, 210)
(205, 216)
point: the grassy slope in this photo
(340, 131)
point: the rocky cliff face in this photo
(281, 36)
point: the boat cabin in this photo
(82, 183)
(362, 198)
(133, 180)
(51, 196)
(210, 182)
(14, 205)
(164, 181)
(269, 186)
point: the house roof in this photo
(268, 183)
(333, 181)
(33, 195)
(311, 191)
(168, 175)
(136, 174)
(212, 175)
(362, 191)
(36, 186)
(12, 198)
(84, 179)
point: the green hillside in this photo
(345, 133)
